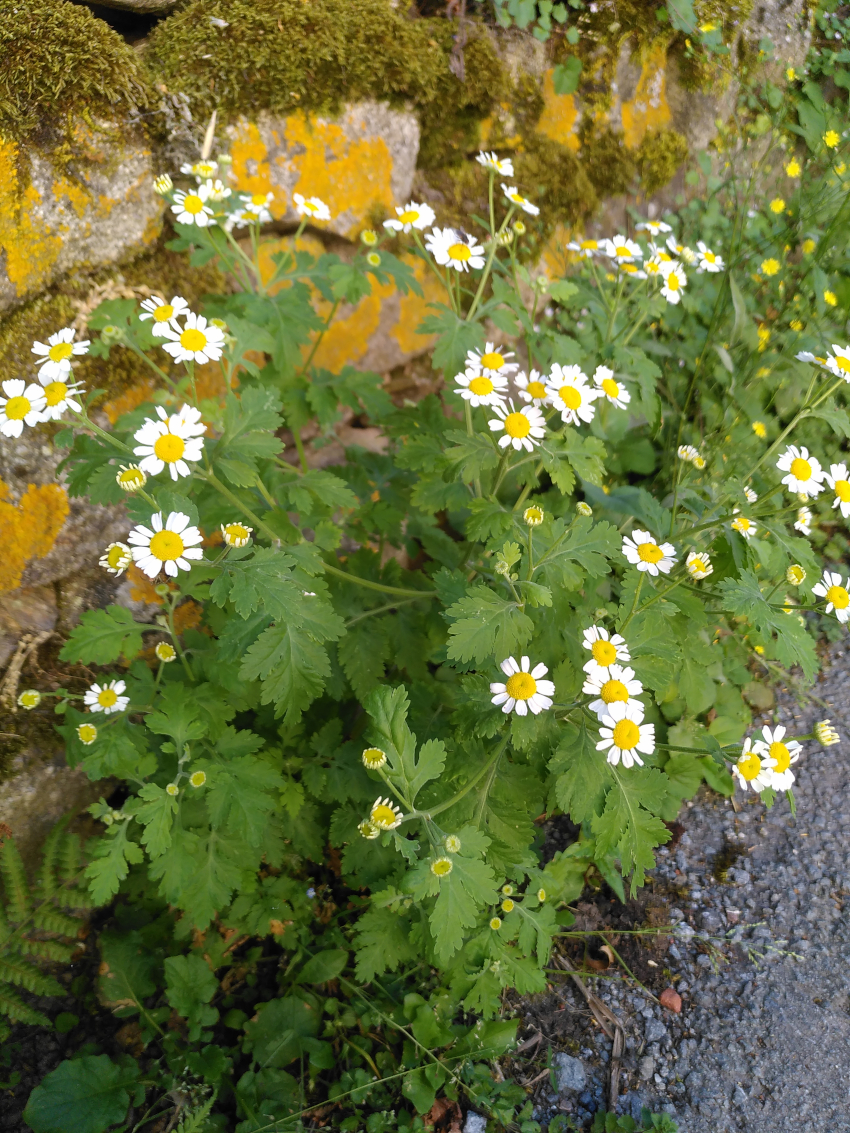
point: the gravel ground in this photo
(762, 1043)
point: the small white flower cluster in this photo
(30, 403)
(766, 762)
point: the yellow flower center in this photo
(164, 313)
(193, 339)
(843, 364)
(236, 531)
(626, 734)
(115, 556)
(55, 393)
(481, 386)
(610, 387)
(60, 351)
(517, 425)
(614, 690)
(166, 546)
(759, 429)
(408, 216)
(698, 566)
(801, 469)
(87, 733)
(521, 686)
(709, 257)
(258, 199)
(441, 867)
(782, 755)
(622, 250)
(749, 766)
(742, 524)
(650, 552)
(492, 360)
(460, 252)
(310, 207)
(17, 408)
(383, 815)
(536, 389)
(193, 204)
(374, 757)
(842, 490)
(570, 396)
(839, 597)
(589, 245)
(169, 448)
(107, 697)
(673, 282)
(603, 653)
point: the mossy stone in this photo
(658, 157)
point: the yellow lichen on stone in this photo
(30, 528)
(30, 249)
(649, 109)
(559, 120)
(413, 309)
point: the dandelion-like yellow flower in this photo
(769, 267)
(830, 298)
(760, 429)
(764, 337)
(808, 246)
(793, 168)
(777, 206)
(831, 139)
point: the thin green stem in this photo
(379, 610)
(379, 586)
(634, 603)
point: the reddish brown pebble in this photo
(671, 1000)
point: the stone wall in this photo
(79, 220)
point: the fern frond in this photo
(78, 899)
(46, 881)
(70, 858)
(47, 919)
(22, 974)
(18, 896)
(46, 949)
(14, 1008)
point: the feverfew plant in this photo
(559, 588)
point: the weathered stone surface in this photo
(26, 611)
(363, 159)
(143, 7)
(89, 211)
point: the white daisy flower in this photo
(681, 250)
(653, 227)
(531, 387)
(708, 260)
(236, 534)
(411, 216)
(22, 405)
(586, 249)
(168, 543)
(623, 735)
(481, 389)
(622, 249)
(106, 698)
(237, 219)
(840, 484)
(613, 390)
(631, 270)
(255, 207)
(674, 282)
(753, 769)
(839, 365)
(513, 195)
(57, 352)
(454, 249)
(605, 650)
(643, 552)
(743, 526)
(656, 267)
(698, 565)
(522, 428)
(687, 452)
(836, 594)
(198, 341)
(782, 752)
(616, 686)
(524, 690)
(803, 522)
(385, 815)
(217, 190)
(58, 396)
(750, 495)
(192, 208)
(503, 166)
(313, 207)
(170, 442)
(116, 558)
(164, 314)
(805, 475)
(492, 361)
(200, 169)
(570, 394)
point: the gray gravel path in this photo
(763, 1042)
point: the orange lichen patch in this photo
(30, 248)
(142, 588)
(347, 340)
(559, 119)
(554, 258)
(413, 309)
(29, 528)
(649, 108)
(251, 166)
(129, 400)
(210, 383)
(187, 616)
(77, 197)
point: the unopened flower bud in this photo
(369, 237)
(163, 184)
(30, 698)
(795, 574)
(533, 515)
(825, 734)
(584, 509)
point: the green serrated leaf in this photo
(103, 636)
(483, 624)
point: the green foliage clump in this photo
(59, 61)
(659, 156)
(38, 922)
